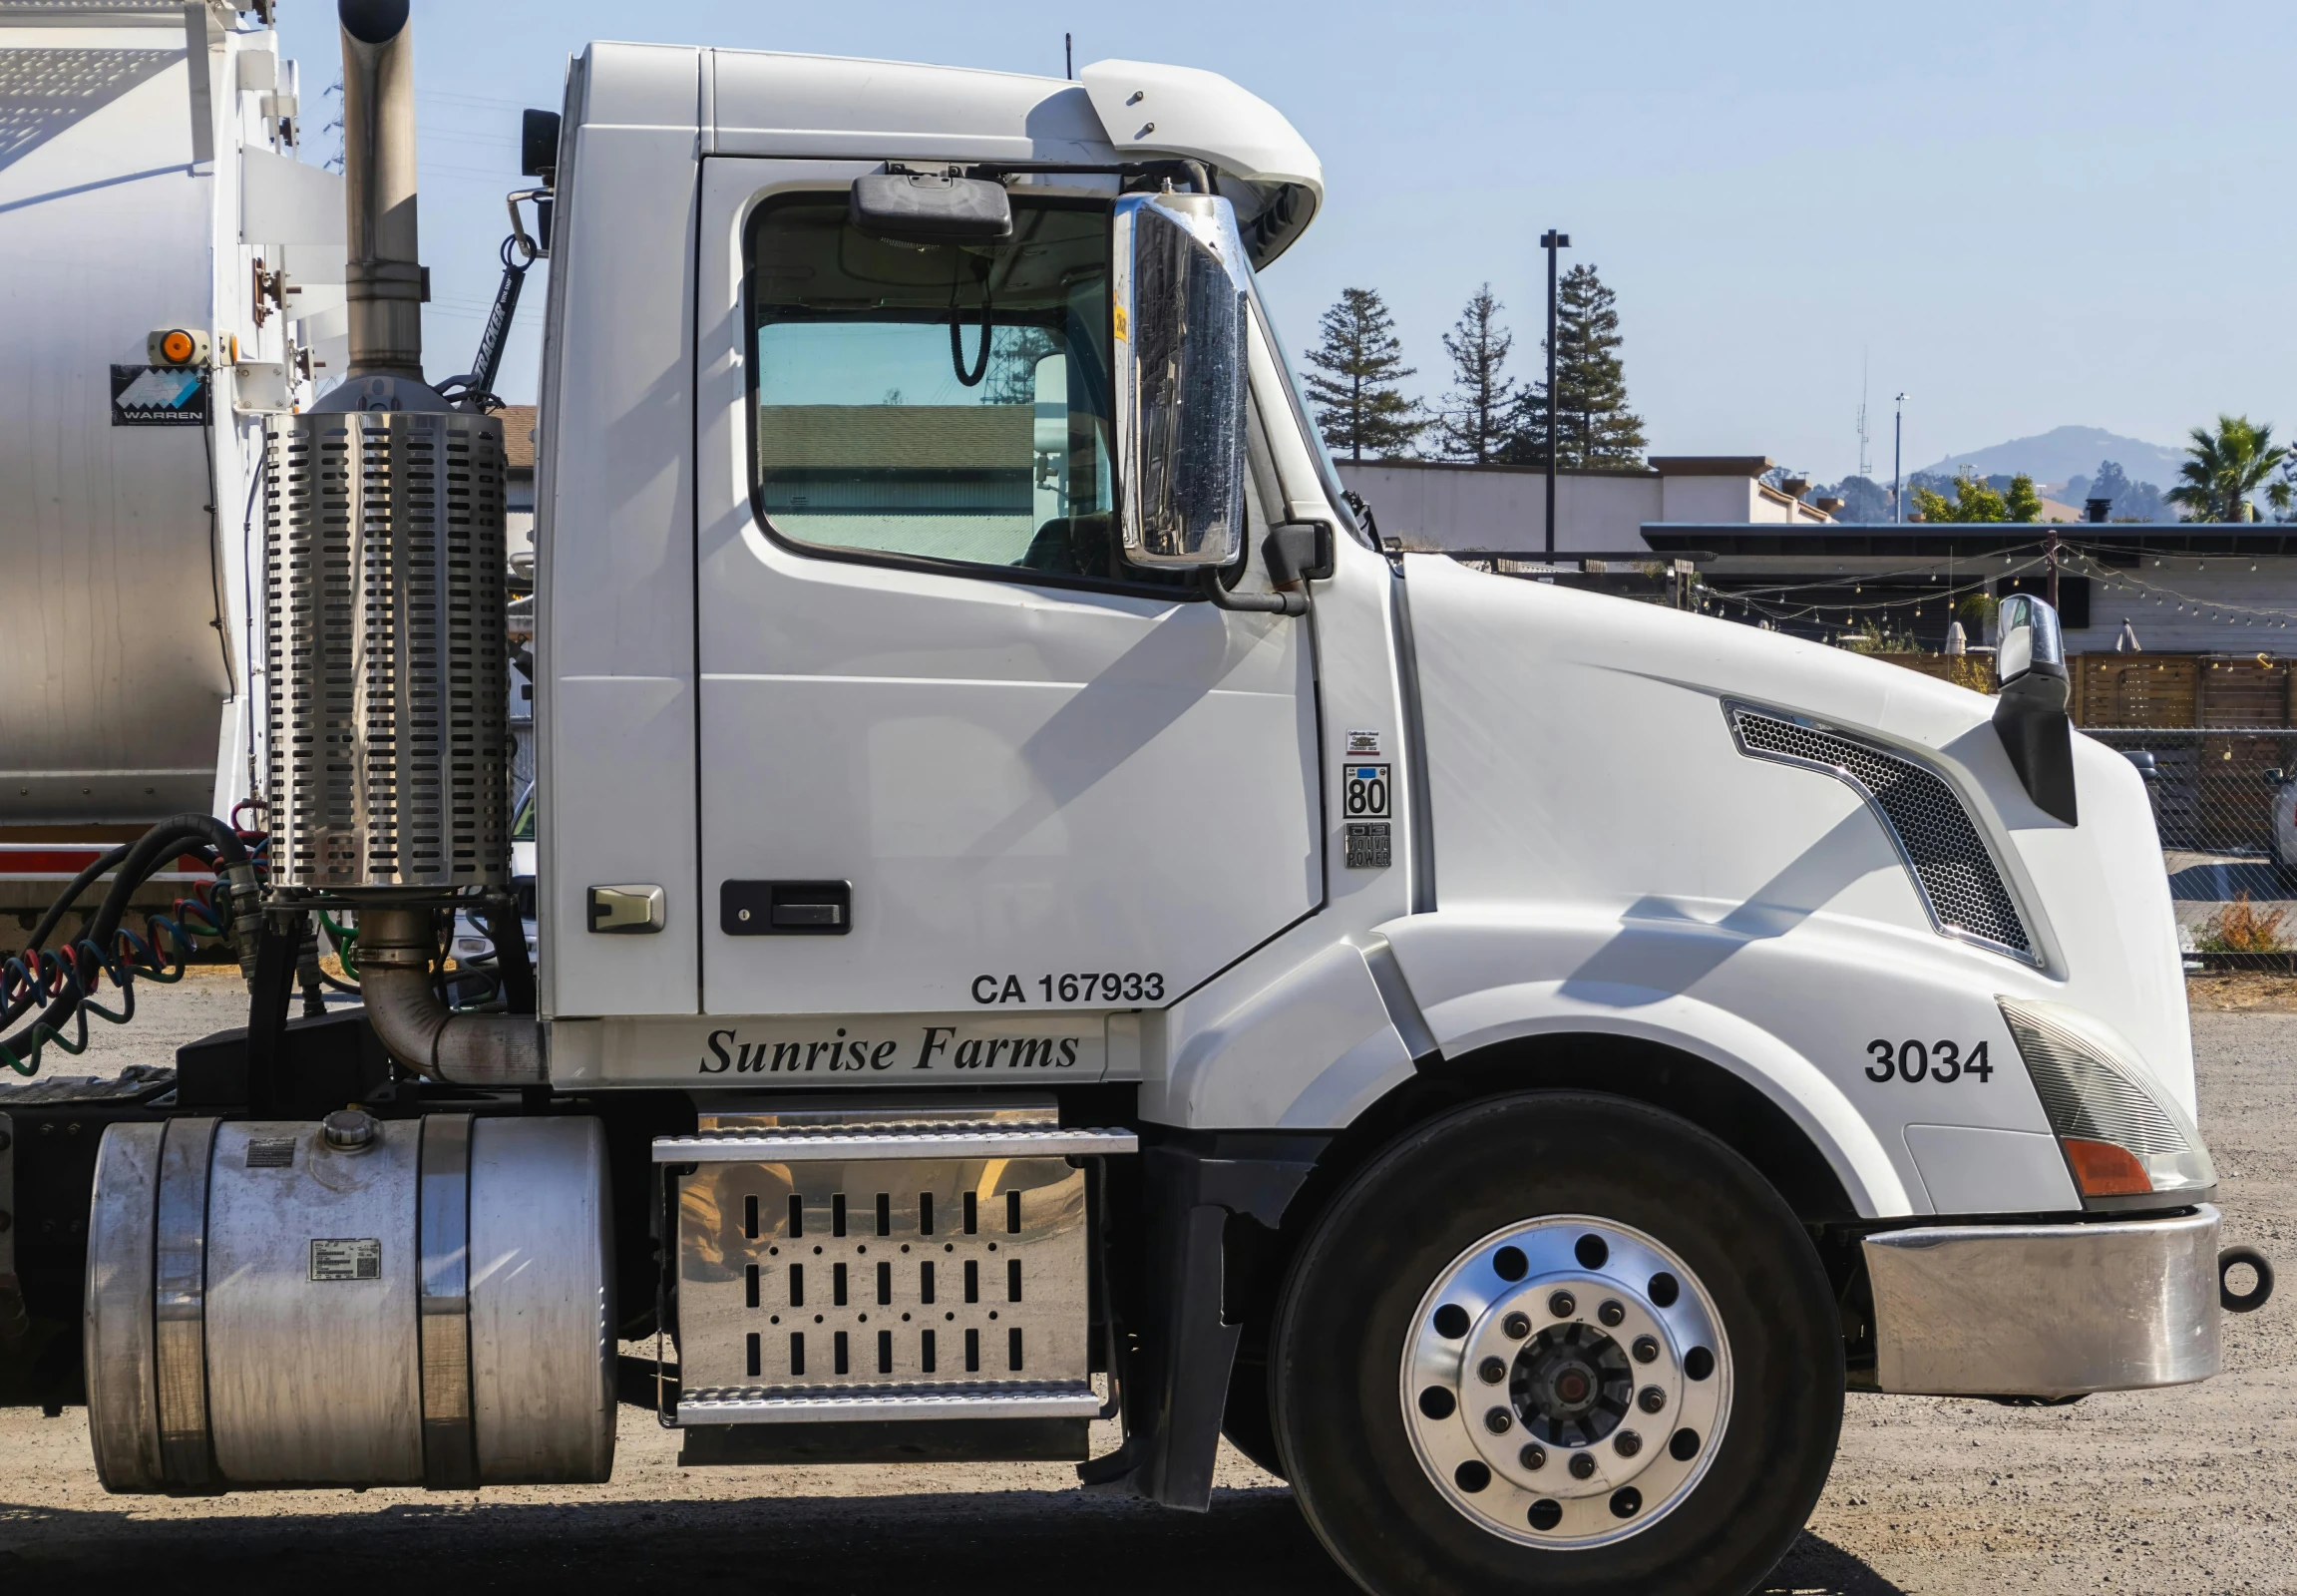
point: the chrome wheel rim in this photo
(1566, 1382)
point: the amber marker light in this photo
(2101, 1169)
(176, 347)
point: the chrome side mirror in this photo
(2030, 713)
(1181, 319)
(2031, 641)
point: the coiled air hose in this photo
(67, 981)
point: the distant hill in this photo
(2067, 452)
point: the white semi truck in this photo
(1507, 1058)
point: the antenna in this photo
(1864, 468)
(1069, 56)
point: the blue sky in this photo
(2023, 215)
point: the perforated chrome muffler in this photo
(386, 737)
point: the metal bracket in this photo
(15, 1324)
(794, 1146)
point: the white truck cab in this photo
(1509, 1058)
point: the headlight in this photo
(2121, 1138)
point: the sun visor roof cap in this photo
(1153, 109)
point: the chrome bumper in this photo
(2044, 1309)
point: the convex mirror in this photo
(1181, 317)
(931, 208)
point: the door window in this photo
(943, 403)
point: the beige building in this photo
(1433, 504)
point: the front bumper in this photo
(2045, 1310)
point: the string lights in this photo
(1782, 603)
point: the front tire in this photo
(1557, 1343)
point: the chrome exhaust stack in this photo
(386, 750)
(385, 282)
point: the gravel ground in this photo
(2176, 1492)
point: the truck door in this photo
(954, 754)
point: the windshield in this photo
(940, 402)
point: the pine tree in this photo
(1478, 417)
(1358, 365)
(1594, 426)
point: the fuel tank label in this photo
(339, 1258)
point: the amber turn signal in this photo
(2101, 1169)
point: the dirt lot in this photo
(2176, 1492)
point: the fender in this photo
(1445, 956)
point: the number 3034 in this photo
(1911, 1061)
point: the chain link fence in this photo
(2223, 804)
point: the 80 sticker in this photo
(1364, 791)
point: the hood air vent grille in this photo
(1937, 840)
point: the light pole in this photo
(1897, 448)
(1551, 241)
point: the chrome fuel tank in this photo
(354, 1303)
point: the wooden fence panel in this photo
(2245, 692)
(2136, 689)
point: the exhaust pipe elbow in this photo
(419, 1030)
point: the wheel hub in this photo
(1571, 1385)
(1566, 1382)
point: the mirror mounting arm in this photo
(1252, 603)
(2029, 710)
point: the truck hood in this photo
(1583, 764)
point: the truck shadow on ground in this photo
(1007, 1543)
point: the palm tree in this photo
(2226, 467)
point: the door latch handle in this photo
(626, 911)
(786, 908)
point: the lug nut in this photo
(1498, 1420)
(1611, 1313)
(1646, 1350)
(1516, 1326)
(1494, 1369)
(1627, 1443)
(1651, 1399)
(1532, 1458)
(1582, 1465)
(1562, 1305)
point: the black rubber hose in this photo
(141, 861)
(102, 865)
(105, 864)
(107, 861)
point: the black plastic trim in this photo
(1419, 827)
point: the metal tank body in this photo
(386, 747)
(421, 1301)
(123, 550)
